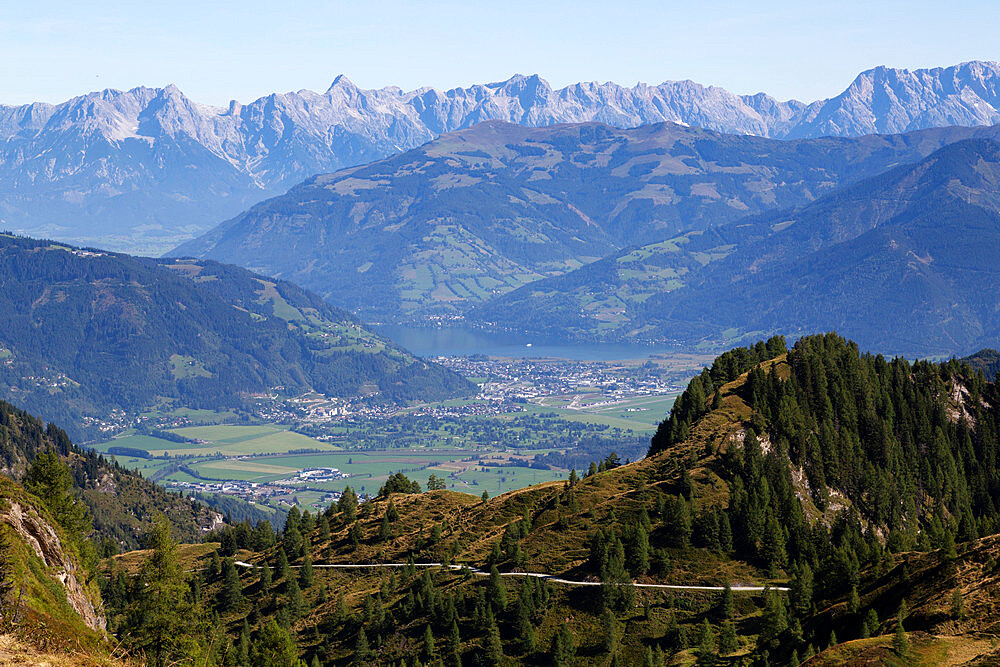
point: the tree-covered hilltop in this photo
(986, 360)
(858, 489)
(87, 333)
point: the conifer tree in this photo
(306, 571)
(853, 601)
(900, 642)
(611, 631)
(362, 651)
(348, 504)
(265, 577)
(496, 592)
(160, 622)
(453, 647)
(214, 566)
(295, 602)
(283, 571)
(340, 610)
(231, 593)
(243, 645)
(274, 647)
(871, 622)
(323, 528)
(493, 648)
(957, 605)
(563, 647)
(706, 643)
(51, 480)
(727, 606)
(430, 650)
(802, 590)
(728, 641)
(384, 529)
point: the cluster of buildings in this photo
(513, 380)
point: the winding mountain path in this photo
(549, 577)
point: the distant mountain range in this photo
(143, 169)
(88, 333)
(908, 261)
(478, 213)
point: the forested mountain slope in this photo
(145, 168)
(86, 333)
(862, 485)
(903, 261)
(477, 213)
(120, 503)
(986, 360)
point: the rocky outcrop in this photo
(34, 530)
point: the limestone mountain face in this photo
(142, 169)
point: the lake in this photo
(462, 341)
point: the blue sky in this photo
(217, 51)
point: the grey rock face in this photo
(145, 168)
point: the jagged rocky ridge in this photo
(111, 167)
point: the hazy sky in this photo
(221, 50)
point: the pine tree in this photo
(348, 504)
(430, 650)
(957, 605)
(728, 641)
(161, 622)
(727, 606)
(282, 569)
(611, 632)
(265, 577)
(214, 566)
(51, 480)
(243, 645)
(228, 546)
(384, 529)
(563, 647)
(274, 647)
(493, 648)
(362, 652)
(295, 601)
(315, 661)
(340, 610)
(853, 601)
(871, 623)
(775, 619)
(231, 593)
(453, 647)
(306, 571)
(485, 496)
(496, 592)
(900, 642)
(802, 590)
(323, 528)
(706, 644)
